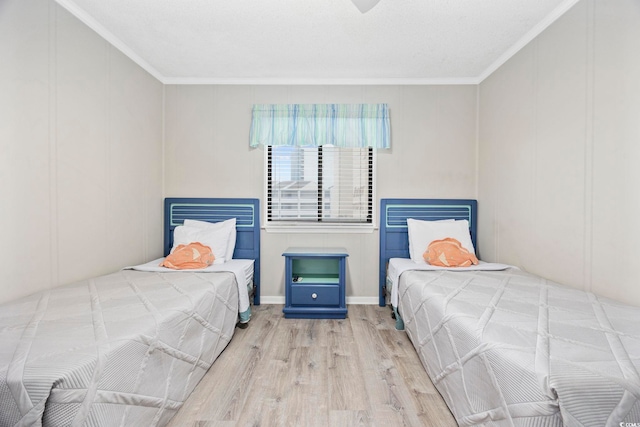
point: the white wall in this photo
(80, 152)
(433, 154)
(559, 152)
(81, 164)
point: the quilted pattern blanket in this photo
(508, 348)
(122, 349)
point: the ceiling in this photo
(318, 41)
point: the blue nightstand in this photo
(315, 282)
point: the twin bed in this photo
(129, 347)
(504, 347)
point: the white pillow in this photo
(229, 225)
(217, 240)
(422, 233)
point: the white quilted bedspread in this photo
(122, 349)
(508, 348)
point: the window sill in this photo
(324, 228)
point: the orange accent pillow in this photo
(193, 255)
(449, 252)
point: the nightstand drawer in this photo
(312, 295)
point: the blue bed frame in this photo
(394, 237)
(245, 211)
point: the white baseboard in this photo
(350, 300)
(362, 300)
(271, 300)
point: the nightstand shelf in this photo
(315, 283)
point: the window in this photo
(321, 185)
(320, 163)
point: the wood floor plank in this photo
(358, 371)
(351, 418)
(224, 395)
(344, 373)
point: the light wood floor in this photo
(304, 372)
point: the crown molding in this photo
(86, 19)
(320, 81)
(528, 38)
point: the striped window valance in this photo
(313, 125)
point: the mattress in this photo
(122, 349)
(397, 266)
(241, 268)
(508, 348)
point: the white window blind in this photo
(324, 184)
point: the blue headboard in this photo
(245, 211)
(394, 237)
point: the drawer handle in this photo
(314, 295)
